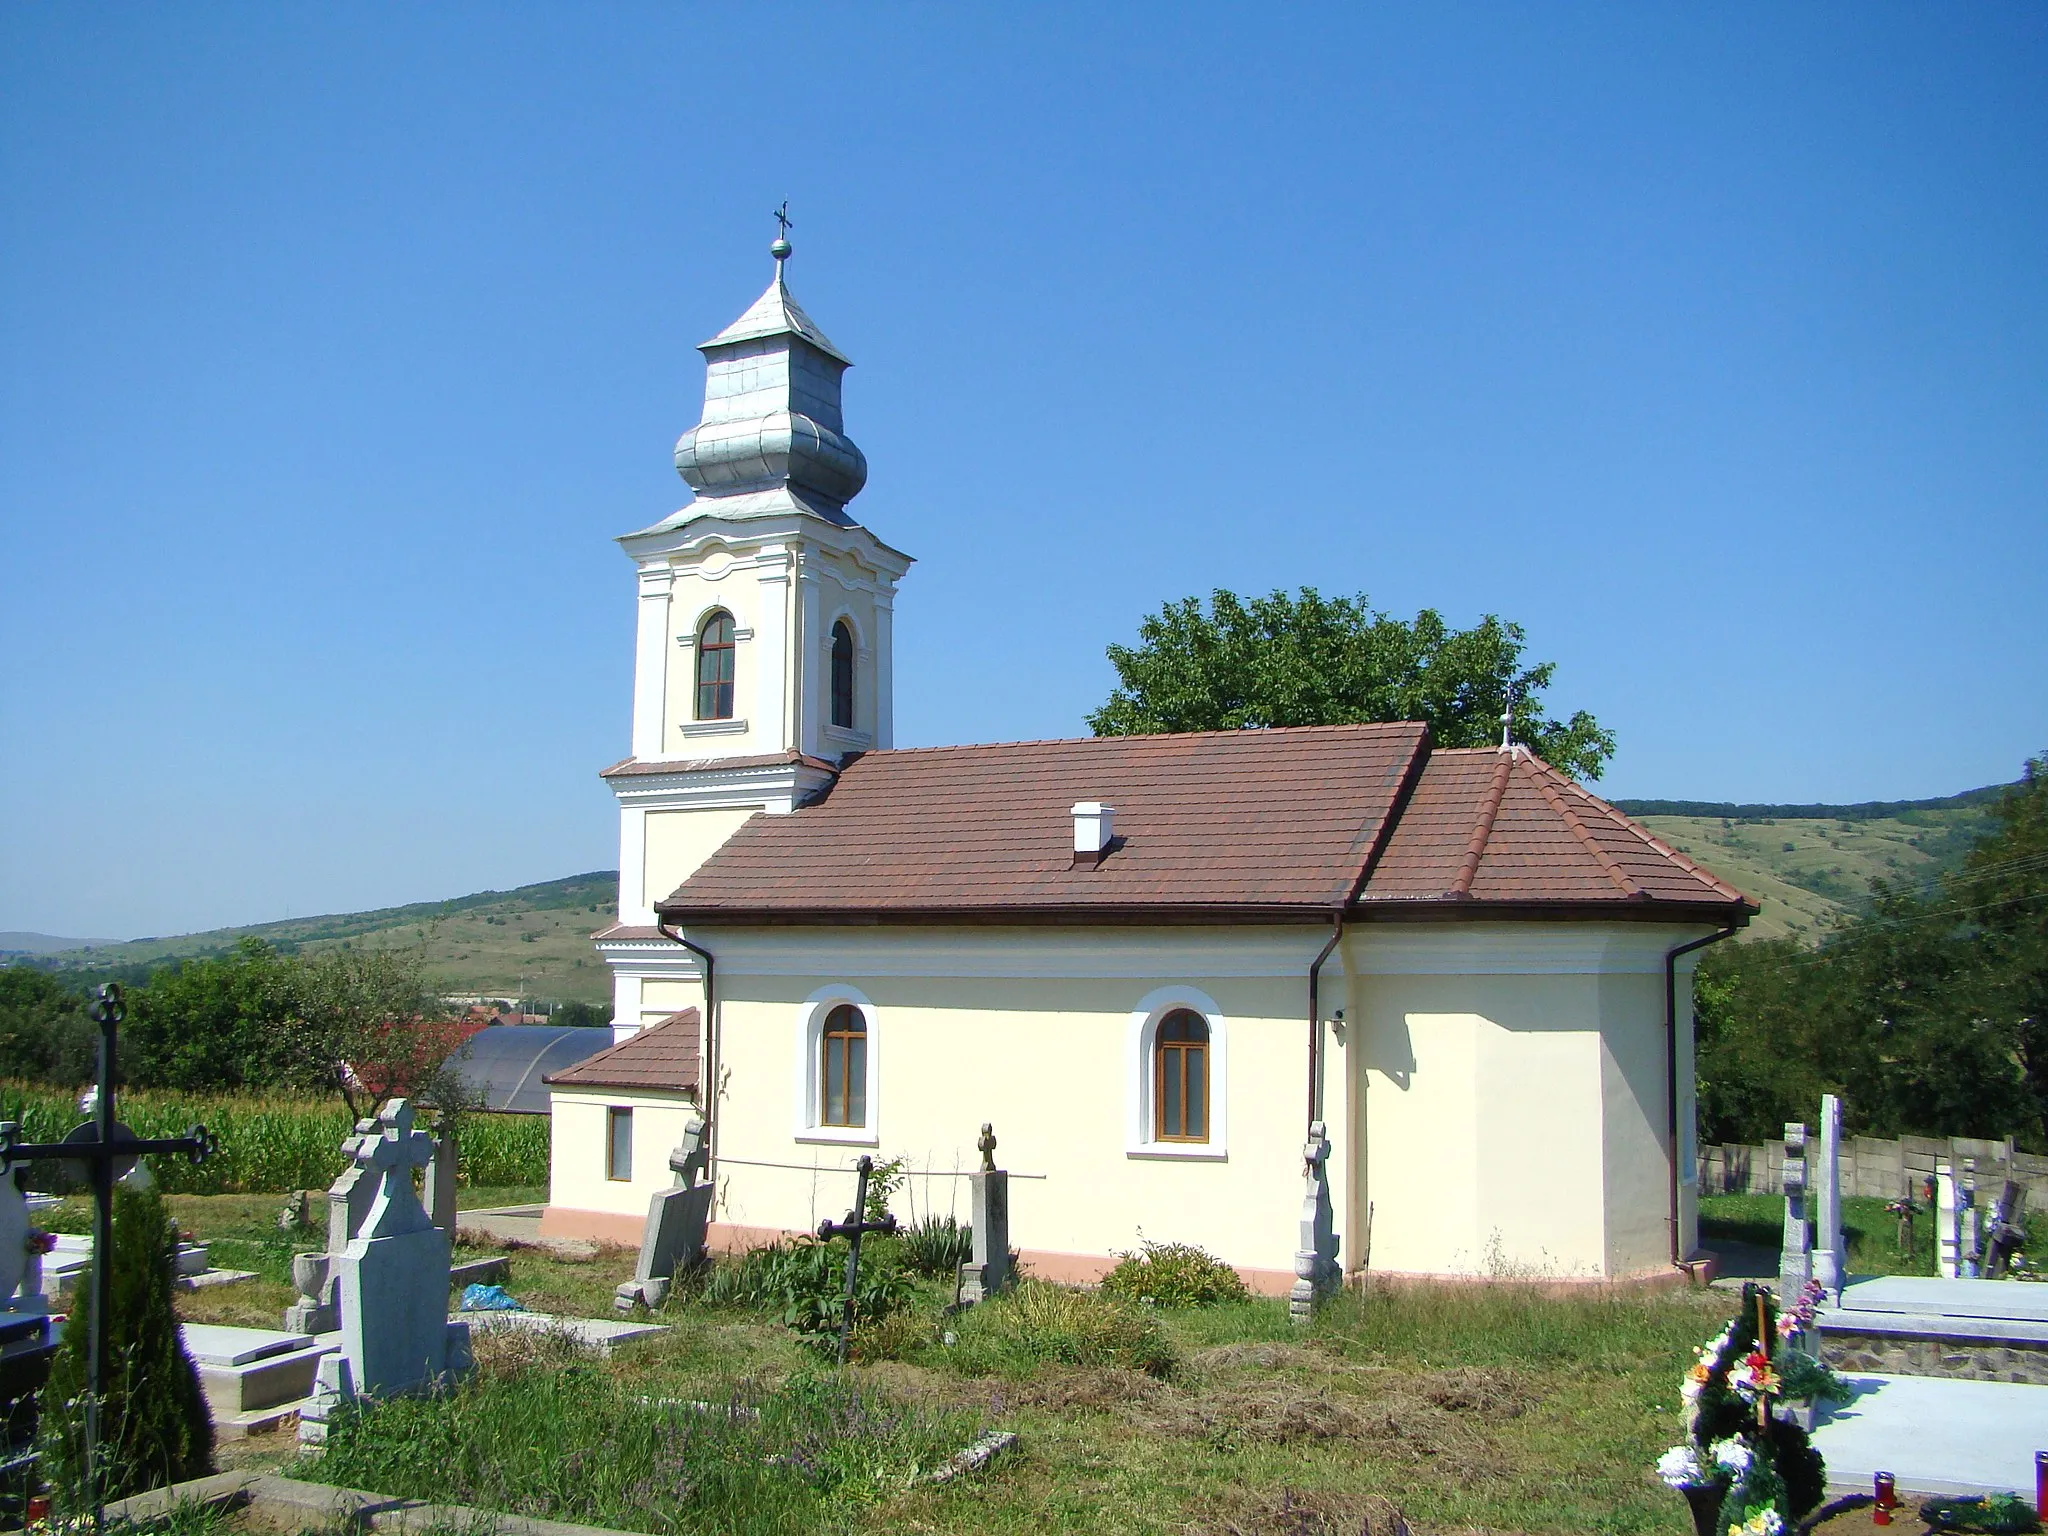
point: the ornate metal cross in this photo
(855, 1227)
(101, 1150)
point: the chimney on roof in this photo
(1093, 832)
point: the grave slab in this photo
(1927, 1297)
(218, 1344)
(1935, 1434)
(598, 1332)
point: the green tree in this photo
(1311, 660)
(154, 1427)
(1927, 1012)
(364, 1024)
(210, 1023)
(44, 1031)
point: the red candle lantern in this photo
(1887, 1489)
(2040, 1481)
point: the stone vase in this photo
(309, 1273)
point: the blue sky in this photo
(337, 342)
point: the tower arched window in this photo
(842, 675)
(715, 667)
(843, 1068)
(1180, 1077)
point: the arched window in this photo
(843, 1068)
(1180, 1077)
(842, 675)
(714, 668)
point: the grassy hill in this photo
(1807, 864)
(531, 942)
(1811, 864)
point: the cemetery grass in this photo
(1872, 1232)
(1502, 1408)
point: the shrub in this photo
(1038, 1323)
(935, 1247)
(1174, 1275)
(805, 1283)
(154, 1427)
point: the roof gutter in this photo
(1671, 958)
(1315, 1019)
(709, 1092)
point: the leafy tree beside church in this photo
(1310, 660)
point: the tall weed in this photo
(1038, 1324)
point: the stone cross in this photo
(988, 1189)
(1830, 1258)
(395, 1334)
(1315, 1257)
(1795, 1251)
(678, 1224)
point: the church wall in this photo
(1512, 1123)
(710, 582)
(1048, 1061)
(577, 1180)
(678, 841)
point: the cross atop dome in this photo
(772, 437)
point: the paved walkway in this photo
(1936, 1435)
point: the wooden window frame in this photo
(845, 660)
(1180, 1051)
(720, 657)
(614, 1116)
(843, 1025)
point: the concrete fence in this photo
(1883, 1170)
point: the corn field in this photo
(270, 1143)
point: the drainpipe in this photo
(1671, 959)
(1315, 1020)
(710, 1072)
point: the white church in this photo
(1150, 962)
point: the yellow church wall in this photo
(1511, 1123)
(678, 841)
(577, 1155)
(1049, 1061)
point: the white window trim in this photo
(726, 727)
(810, 1030)
(1140, 1031)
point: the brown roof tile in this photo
(1528, 835)
(1272, 823)
(1273, 819)
(662, 1055)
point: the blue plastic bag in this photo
(489, 1298)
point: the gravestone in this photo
(988, 1187)
(439, 1194)
(1795, 1252)
(1948, 1257)
(1315, 1258)
(2007, 1233)
(395, 1333)
(1967, 1251)
(318, 1309)
(1830, 1261)
(678, 1220)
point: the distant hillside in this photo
(532, 942)
(12, 944)
(1810, 865)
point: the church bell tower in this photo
(763, 644)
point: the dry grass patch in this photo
(1301, 1512)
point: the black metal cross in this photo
(102, 1150)
(782, 218)
(855, 1227)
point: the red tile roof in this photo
(1269, 825)
(662, 1055)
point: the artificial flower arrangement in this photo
(1744, 1469)
(40, 1242)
